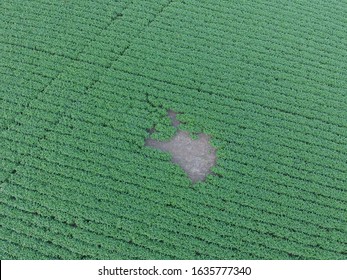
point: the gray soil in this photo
(196, 157)
(172, 115)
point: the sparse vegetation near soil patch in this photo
(195, 156)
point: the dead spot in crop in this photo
(195, 157)
(172, 115)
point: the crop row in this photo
(116, 176)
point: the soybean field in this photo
(86, 85)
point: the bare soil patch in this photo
(196, 157)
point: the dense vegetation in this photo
(82, 82)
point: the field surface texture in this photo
(84, 84)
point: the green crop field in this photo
(83, 82)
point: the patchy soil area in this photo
(196, 157)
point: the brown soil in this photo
(196, 157)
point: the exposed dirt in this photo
(172, 115)
(196, 157)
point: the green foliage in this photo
(82, 82)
